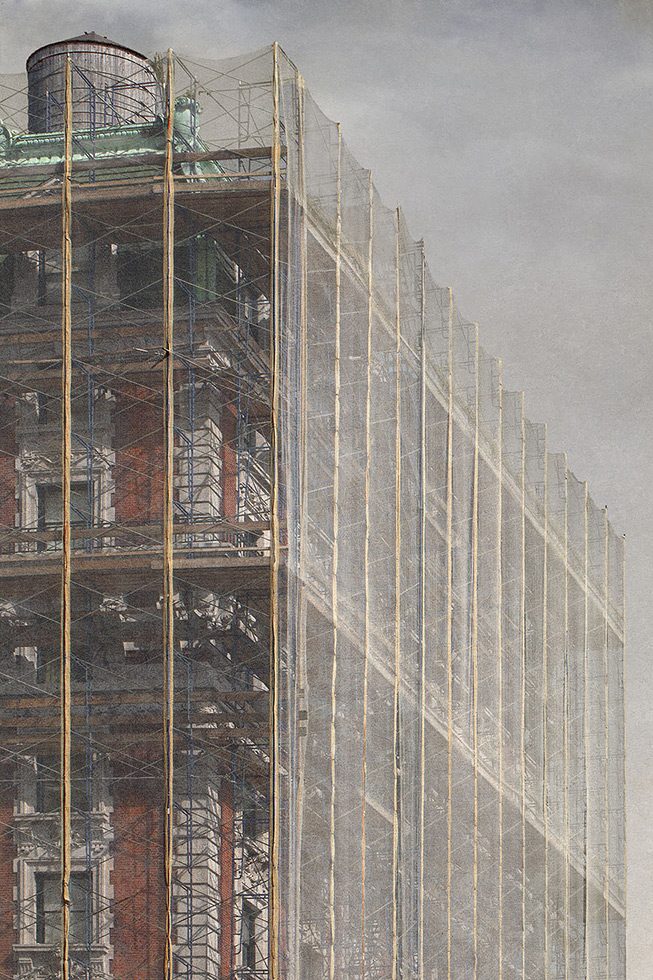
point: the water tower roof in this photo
(88, 37)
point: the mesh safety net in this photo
(312, 649)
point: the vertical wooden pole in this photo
(275, 544)
(450, 643)
(500, 668)
(168, 502)
(565, 735)
(545, 712)
(522, 667)
(66, 452)
(366, 561)
(474, 655)
(606, 736)
(300, 685)
(334, 580)
(622, 767)
(396, 829)
(422, 607)
(586, 735)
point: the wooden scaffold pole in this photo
(66, 543)
(168, 503)
(275, 543)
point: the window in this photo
(48, 668)
(7, 276)
(42, 280)
(47, 785)
(136, 654)
(250, 829)
(48, 907)
(47, 799)
(254, 820)
(139, 275)
(47, 408)
(50, 508)
(49, 271)
(207, 266)
(311, 961)
(248, 942)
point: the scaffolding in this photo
(312, 650)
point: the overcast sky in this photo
(516, 135)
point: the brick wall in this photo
(138, 433)
(7, 881)
(7, 462)
(138, 884)
(229, 462)
(226, 880)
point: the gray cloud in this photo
(638, 11)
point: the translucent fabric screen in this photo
(451, 810)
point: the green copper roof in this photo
(112, 142)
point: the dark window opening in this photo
(205, 271)
(7, 281)
(48, 907)
(46, 409)
(136, 654)
(48, 668)
(248, 942)
(139, 276)
(48, 788)
(49, 273)
(42, 280)
(47, 785)
(50, 506)
(253, 820)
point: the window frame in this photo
(47, 920)
(248, 947)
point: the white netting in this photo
(407, 742)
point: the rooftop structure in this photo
(312, 651)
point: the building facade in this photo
(312, 650)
